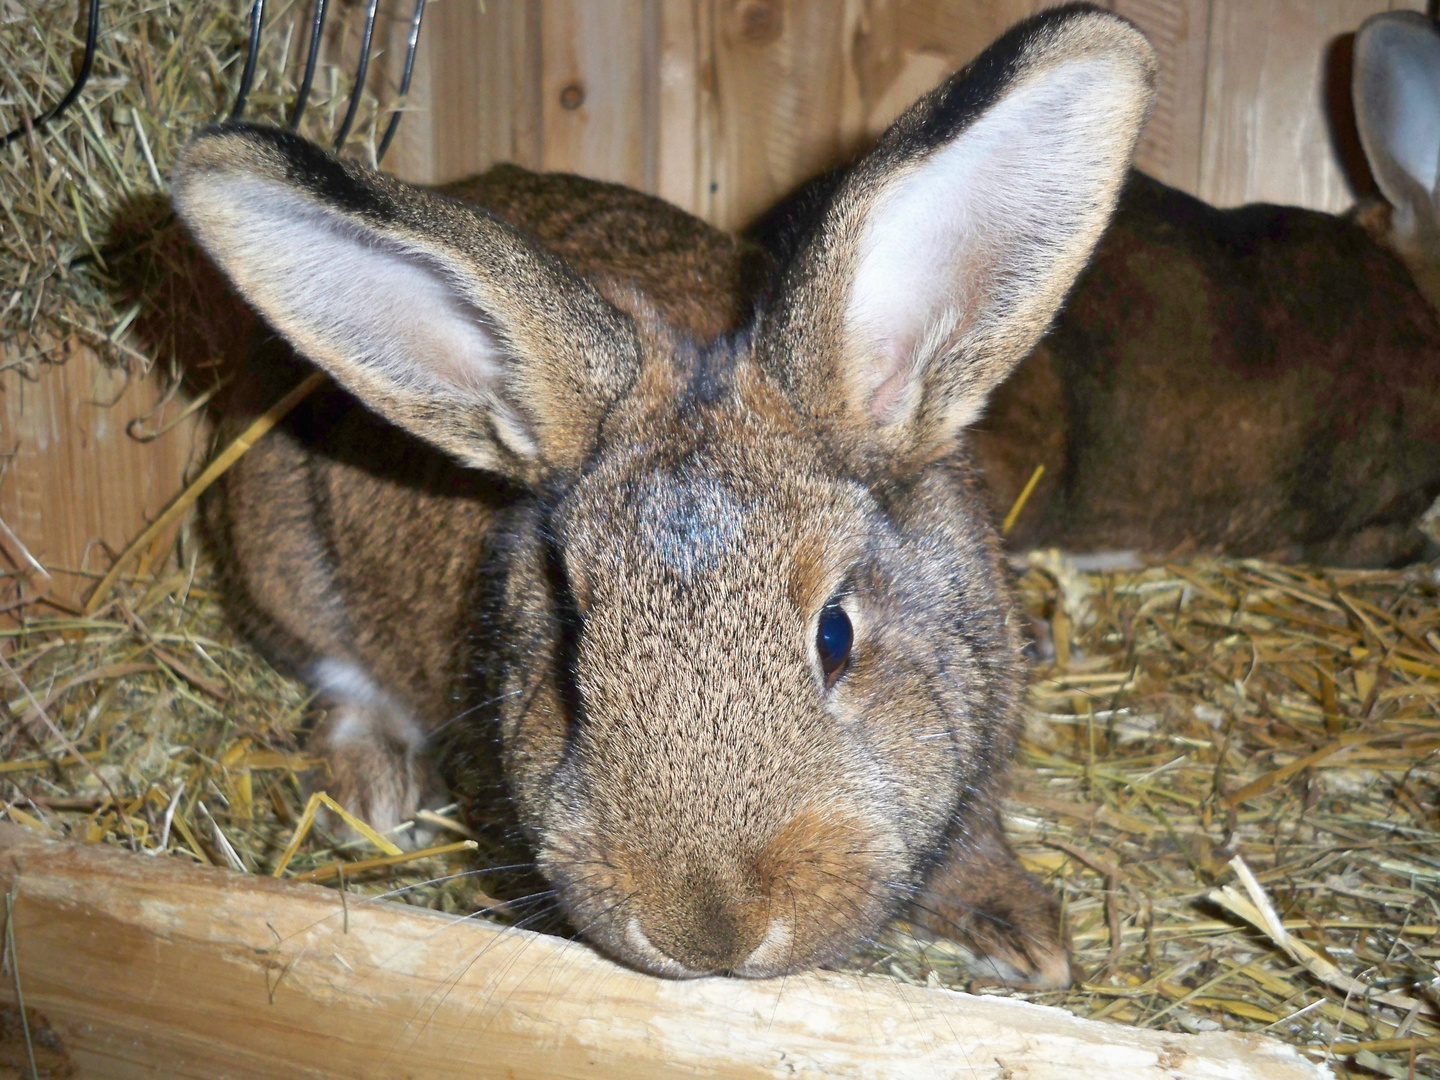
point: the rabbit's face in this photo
(770, 727)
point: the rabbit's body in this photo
(714, 586)
(1259, 381)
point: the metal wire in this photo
(92, 34)
(247, 76)
(303, 96)
(257, 21)
(360, 71)
(410, 45)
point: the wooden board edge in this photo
(140, 967)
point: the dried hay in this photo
(1200, 723)
(86, 238)
(1209, 741)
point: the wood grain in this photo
(76, 485)
(412, 153)
(1267, 135)
(779, 100)
(1180, 32)
(901, 49)
(684, 92)
(144, 967)
(596, 97)
(478, 90)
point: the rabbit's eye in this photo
(832, 641)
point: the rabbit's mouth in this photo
(773, 956)
(809, 896)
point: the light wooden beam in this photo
(139, 967)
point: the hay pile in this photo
(1198, 724)
(155, 707)
(85, 234)
(1207, 723)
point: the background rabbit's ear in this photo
(1396, 89)
(941, 258)
(440, 318)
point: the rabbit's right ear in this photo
(942, 256)
(1396, 88)
(438, 316)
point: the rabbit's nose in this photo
(707, 927)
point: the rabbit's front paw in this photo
(981, 897)
(379, 766)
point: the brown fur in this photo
(1258, 381)
(1255, 381)
(606, 570)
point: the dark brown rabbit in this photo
(1257, 381)
(718, 588)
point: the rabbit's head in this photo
(1396, 90)
(757, 665)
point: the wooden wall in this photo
(720, 106)
(76, 484)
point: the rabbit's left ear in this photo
(942, 257)
(439, 316)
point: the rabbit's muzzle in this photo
(814, 891)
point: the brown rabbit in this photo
(1257, 381)
(719, 590)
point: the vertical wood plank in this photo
(901, 49)
(1267, 133)
(482, 84)
(75, 483)
(803, 85)
(681, 170)
(593, 100)
(1180, 32)
(779, 86)
(649, 60)
(412, 153)
(528, 69)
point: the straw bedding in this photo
(1198, 723)
(85, 234)
(1230, 770)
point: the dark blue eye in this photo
(832, 640)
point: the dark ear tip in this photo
(1082, 31)
(240, 143)
(1054, 36)
(262, 151)
(1089, 28)
(233, 145)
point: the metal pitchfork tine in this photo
(406, 72)
(92, 34)
(247, 76)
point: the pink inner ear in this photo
(346, 295)
(894, 364)
(960, 247)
